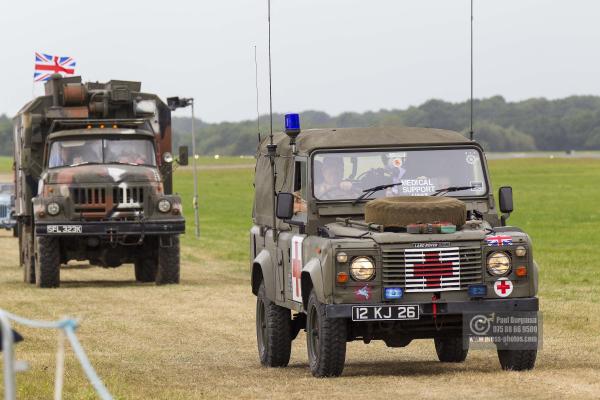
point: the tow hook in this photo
(112, 236)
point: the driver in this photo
(333, 184)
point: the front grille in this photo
(432, 270)
(4, 210)
(88, 196)
(128, 197)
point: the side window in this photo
(300, 191)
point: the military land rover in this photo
(93, 175)
(386, 234)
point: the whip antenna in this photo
(270, 77)
(256, 82)
(471, 101)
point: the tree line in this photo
(572, 123)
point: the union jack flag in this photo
(46, 65)
(499, 240)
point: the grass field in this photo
(197, 339)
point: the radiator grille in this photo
(128, 197)
(432, 270)
(4, 210)
(93, 196)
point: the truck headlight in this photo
(164, 206)
(498, 263)
(362, 269)
(53, 208)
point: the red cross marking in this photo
(503, 287)
(296, 268)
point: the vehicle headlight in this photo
(164, 206)
(53, 208)
(362, 269)
(498, 263)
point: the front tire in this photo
(326, 340)
(273, 331)
(47, 262)
(146, 263)
(517, 360)
(450, 349)
(168, 263)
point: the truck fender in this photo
(263, 269)
(312, 279)
(534, 279)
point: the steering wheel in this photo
(374, 177)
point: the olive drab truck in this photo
(93, 172)
(389, 234)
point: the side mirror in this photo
(505, 198)
(285, 206)
(183, 155)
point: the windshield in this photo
(101, 151)
(344, 175)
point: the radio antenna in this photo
(471, 101)
(256, 82)
(271, 147)
(270, 79)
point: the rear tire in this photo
(168, 263)
(273, 331)
(517, 360)
(146, 264)
(47, 262)
(326, 340)
(450, 349)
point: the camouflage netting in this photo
(398, 212)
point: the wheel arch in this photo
(263, 270)
(312, 279)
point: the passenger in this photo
(299, 203)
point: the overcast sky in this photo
(330, 55)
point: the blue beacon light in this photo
(292, 124)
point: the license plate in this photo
(64, 229)
(385, 313)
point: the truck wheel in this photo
(29, 269)
(168, 263)
(47, 262)
(450, 349)
(146, 264)
(326, 340)
(146, 269)
(517, 360)
(273, 331)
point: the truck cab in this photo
(94, 182)
(385, 233)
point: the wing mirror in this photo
(183, 155)
(285, 206)
(505, 198)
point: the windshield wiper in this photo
(453, 189)
(374, 189)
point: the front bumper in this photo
(449, 308)
(8, 224)
(111, 228)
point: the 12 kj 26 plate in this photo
(385, 313)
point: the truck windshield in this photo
(344, 175)
(69, 153)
